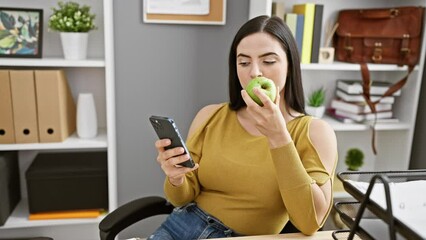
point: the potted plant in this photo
(73, 22)
(354, 159)
(315, 105)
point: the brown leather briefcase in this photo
(385, 35)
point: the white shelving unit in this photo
(95, 75)
(394, 140)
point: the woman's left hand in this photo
(268, 118)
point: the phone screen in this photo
(165, 127)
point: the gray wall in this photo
(163, 69)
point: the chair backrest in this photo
(130, 213)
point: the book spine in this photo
(291, 21)
(316, 36)
(308, 10)
(299, 32)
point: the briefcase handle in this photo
(379, 13)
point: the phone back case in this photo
(166, 128)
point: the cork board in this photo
(216, 15)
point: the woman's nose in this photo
(256, 71)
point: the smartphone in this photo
(165, 127)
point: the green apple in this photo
(266, 85)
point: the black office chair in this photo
(142, 208)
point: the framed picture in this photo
(21, 32)
(209, 12)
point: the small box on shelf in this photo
(67, 181)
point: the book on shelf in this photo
(358, 107)
(299, 32)
(308, 10)
(291, 20)
(332, 113)
(364, 116)
(355, 87)
(317, 32)
(359, 98)
(278, 9)
(295, 23)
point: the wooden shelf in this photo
(73, 142)
(19, 219)
(51, 62)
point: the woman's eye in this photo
(269, 62)
(243, 63)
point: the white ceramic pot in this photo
(87, 122)
(74, 45)
(315, 111)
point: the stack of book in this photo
(305, 23)
(349, 106)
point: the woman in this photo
(257, 166)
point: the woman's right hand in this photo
(169, 160)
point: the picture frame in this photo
(216, 14)
(21, 32)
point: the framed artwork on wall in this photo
(21, 32)
(209, 12)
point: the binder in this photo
(308, 10)
(24, 106)
(55, 106)
(7, 131)
(317, 32)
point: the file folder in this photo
(24, 106)
(55, 106)
(7, 131)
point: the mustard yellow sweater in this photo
(248, 186)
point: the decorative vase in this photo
(87, 122)
(74, 45)
(315, 111)
(326, 55)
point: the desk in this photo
(321, 235)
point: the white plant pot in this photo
(87, 122)
(315, 111)
(74, 45)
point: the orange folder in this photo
(91, 213)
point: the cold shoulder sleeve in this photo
(295, 188)
(297, 167)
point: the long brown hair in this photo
(274, 26)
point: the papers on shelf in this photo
(408, 201)
(192, 7)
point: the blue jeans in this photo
(190, 222)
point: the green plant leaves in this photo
(317, 98)
(71, 17)
(354, 159)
